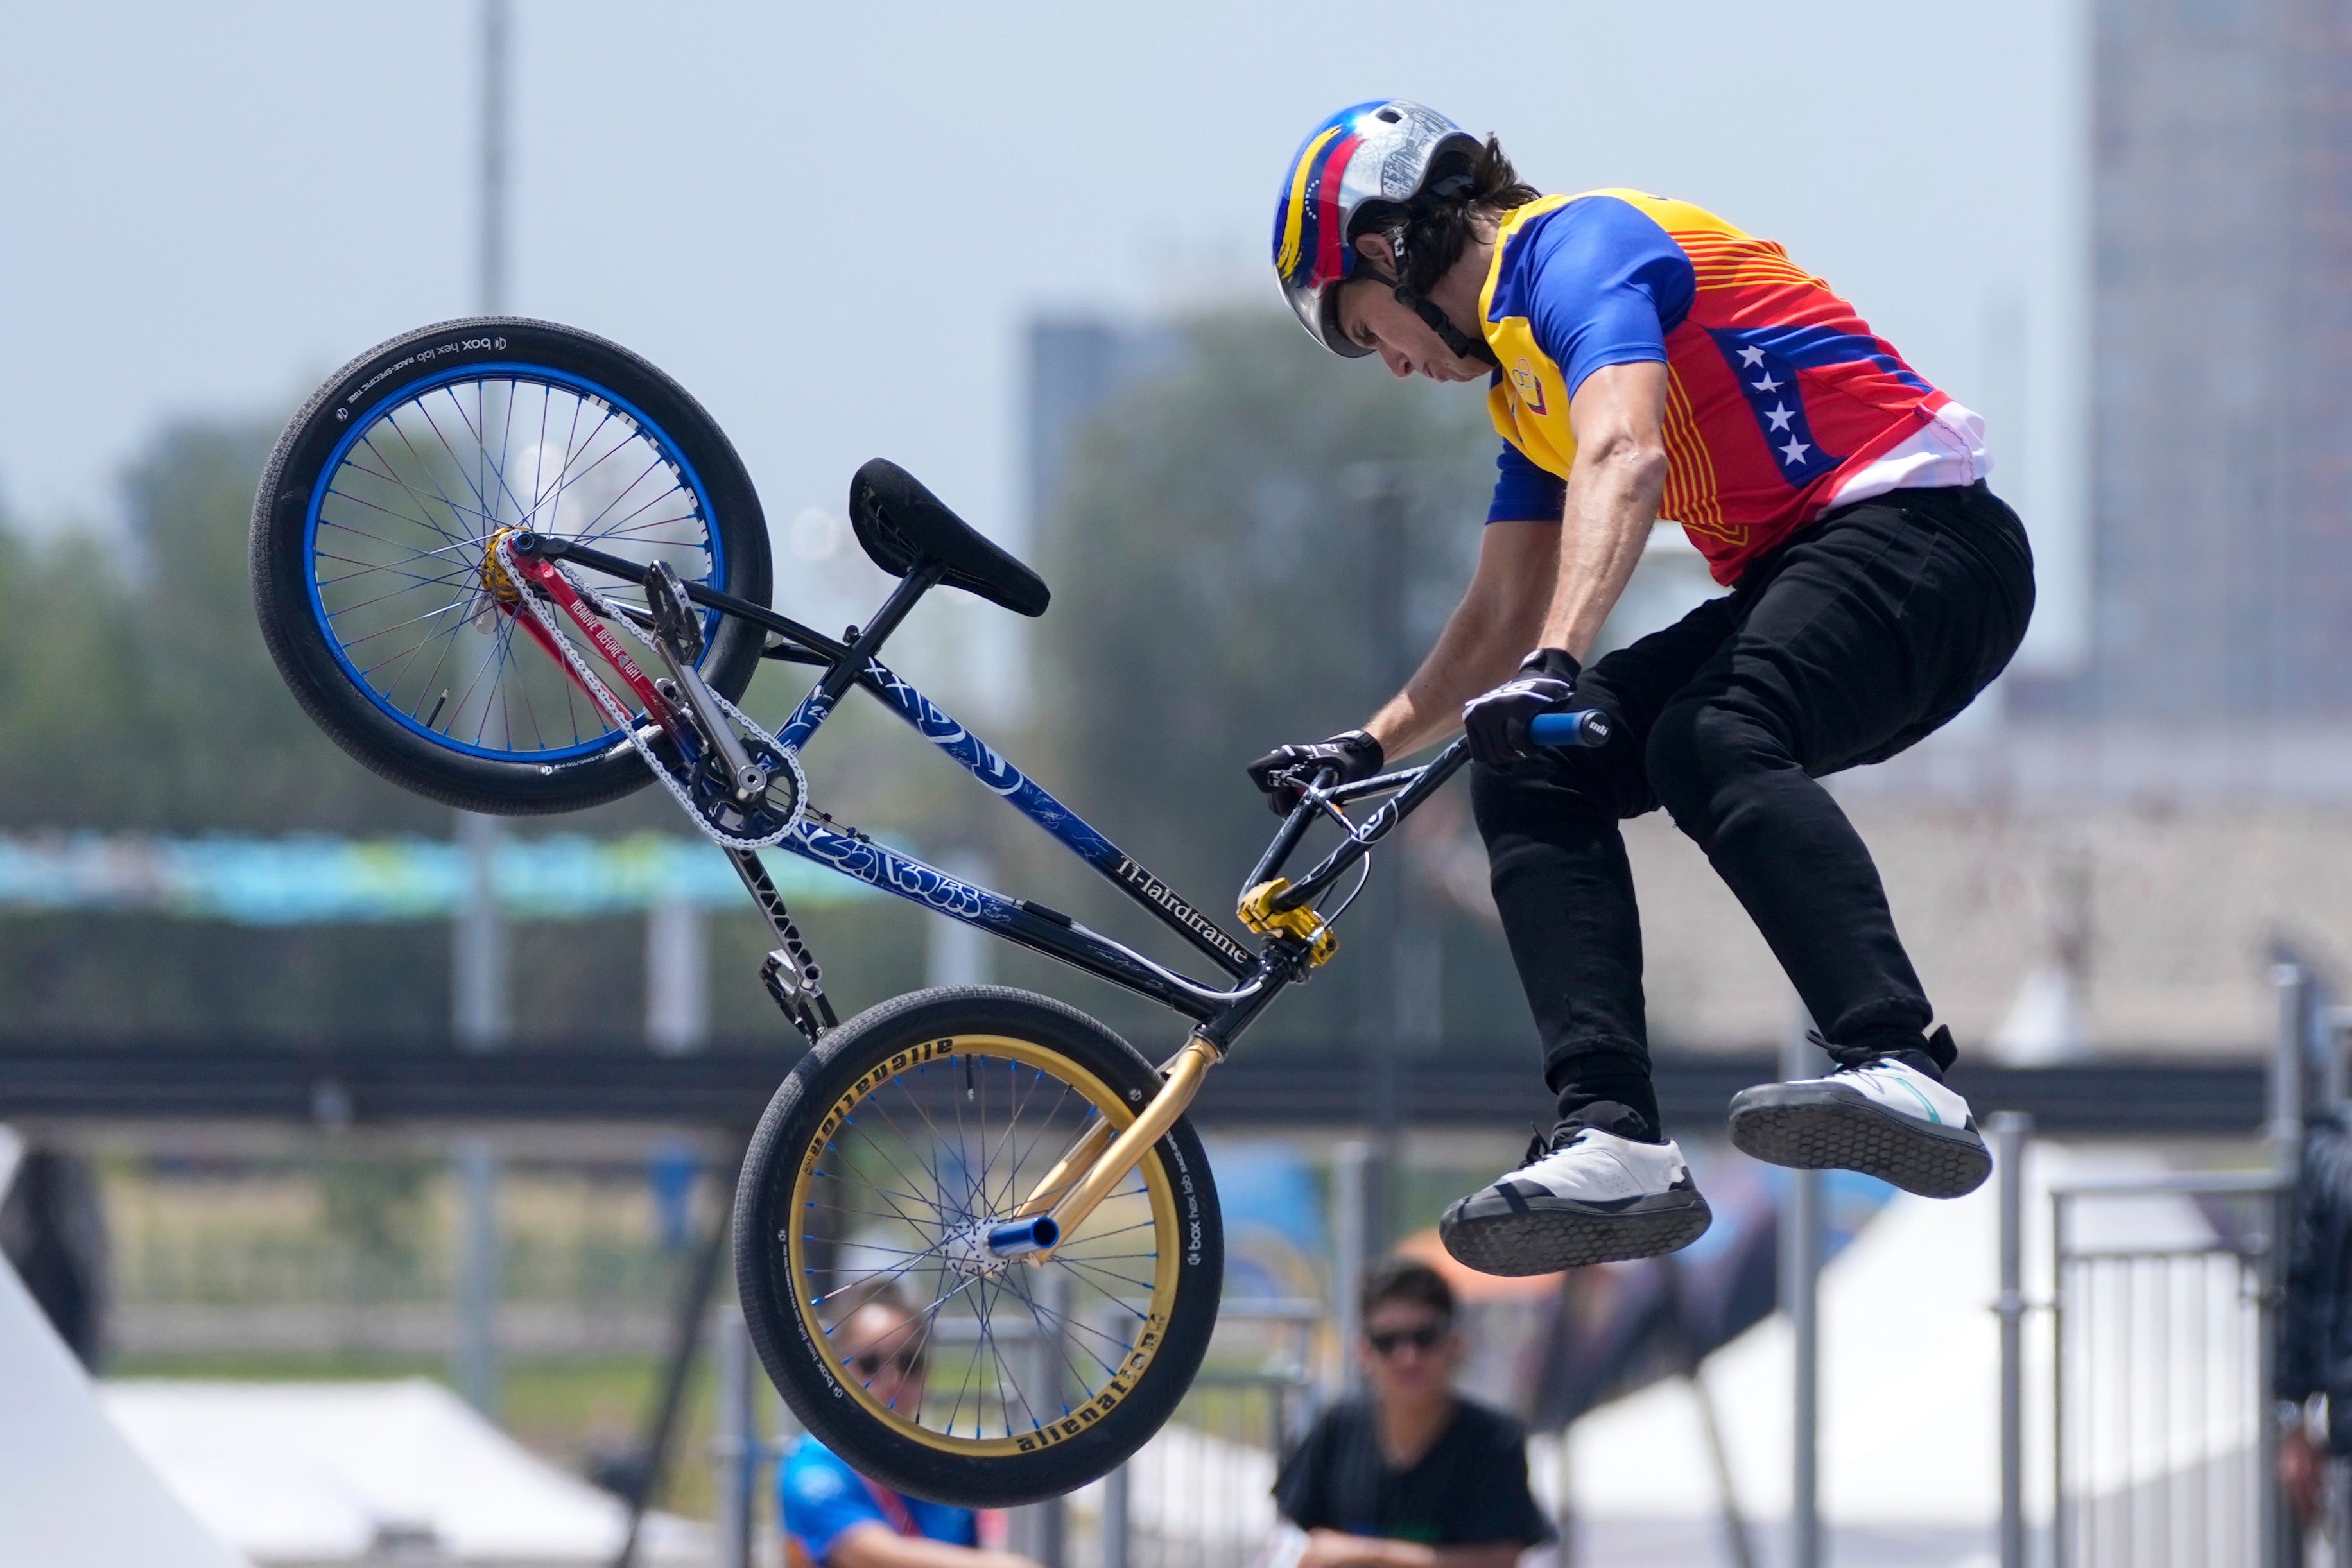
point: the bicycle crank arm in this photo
(678, 638)
(1181, 1081)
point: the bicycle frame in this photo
(1295, 938)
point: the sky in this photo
(832, 224)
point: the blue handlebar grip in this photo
(1588, 727)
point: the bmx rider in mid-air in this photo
(1644, 359)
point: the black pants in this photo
(1859, 635)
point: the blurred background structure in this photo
(296, 1163)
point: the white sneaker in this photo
(1882, 1117)
(1595, 1198)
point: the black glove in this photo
(1281, 771)
(1496, 723)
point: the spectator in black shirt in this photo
(1415, 1475)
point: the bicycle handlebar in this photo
(1587, 727)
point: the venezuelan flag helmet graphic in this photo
(1370, 152)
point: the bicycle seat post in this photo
(920, 580)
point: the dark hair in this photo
(1429, 232)
(1405, 1280)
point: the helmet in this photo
(1376, 152)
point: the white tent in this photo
(344, 1472)
(1909, 1454)
(73, 1492)
(193, 1474)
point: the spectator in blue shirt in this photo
(835, 1517)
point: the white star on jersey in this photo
(1751, 357)
(1794, 452)
(1767, 385)
(1780, 414)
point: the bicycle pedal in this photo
(793, 988)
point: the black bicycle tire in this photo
(762, 1277)
(299, 646)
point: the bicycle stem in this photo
(1393, 810)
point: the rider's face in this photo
(1370, 316)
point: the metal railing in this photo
(2163, 1426)
(2164, 1443)
(1199, 1495)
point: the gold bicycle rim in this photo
(1116, 1387)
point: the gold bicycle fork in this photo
(1080, 1179)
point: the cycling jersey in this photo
(1781, 403)
(822, 1500)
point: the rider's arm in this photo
(876, 1545)
(1613, 489)
(1495, 625)
(1548, 584)
(1335, 1549)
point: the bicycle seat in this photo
(899, 523)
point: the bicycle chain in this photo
(543, 611)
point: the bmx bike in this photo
(513, 567)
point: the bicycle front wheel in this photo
(877, 1172)
(374, 572)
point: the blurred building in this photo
(1078, 365)
(2222, 227)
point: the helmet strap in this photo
(1458, 342)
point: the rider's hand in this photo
(1496, 723)
(1281, 771)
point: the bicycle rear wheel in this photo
(372, 569)
(882, 1164)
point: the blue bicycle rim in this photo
(391, 501)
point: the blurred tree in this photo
(1212, 570)
(136, 694)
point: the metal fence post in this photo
(2061, 1508)
(1355, 1169)
(735, 1448)
(2289, 1080)
(2010, 1131)
(1801, 1262)
(480, 1272)
(1049, 1520)
(1116, 1526)
(1564, 1480)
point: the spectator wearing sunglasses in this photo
(1413, 1475)
(835, 1517)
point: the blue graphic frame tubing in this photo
(1018, 920)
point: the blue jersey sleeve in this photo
(821, 1498)
(1599, 283)
(1525, 493)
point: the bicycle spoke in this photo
(1122, 1278)
(414, 504)
(424, 508)
(1059, 1338)
(1014, 1345)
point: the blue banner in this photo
(309, 879)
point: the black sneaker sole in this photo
(1547, 1240)
(1809, 1127)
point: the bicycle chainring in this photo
(767, 820)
